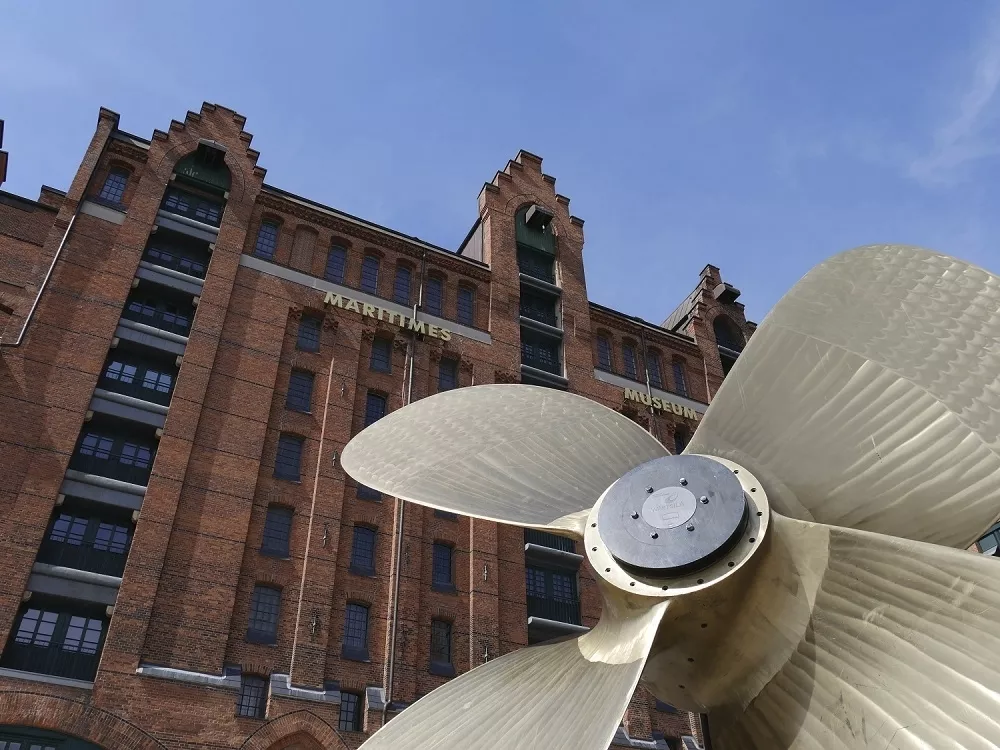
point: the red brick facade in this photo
(175, 646)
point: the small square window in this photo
(350, 712)
(442, 570)
(466, 305)
(267, 240)
(434, 296)
(253, 697)
(381, 357)
(356, 632)
(114, 186)
(447, 374)
(336, 261)
(308, 336)
(369, 275)
(277, 530)
(265, 605)
(363, 551)
(300, 388)
(288, 460)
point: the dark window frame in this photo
(277, 533)
(357, 623)
(402, 285)
(442, 648)
(433, 302)
(465, 310)
(380, 358)
(266, 245)
(630, 364)
(251, 703)
(604, 359)
(336, 264)
(443, 567)
(115, 184)
(349, 716)
(680, 378)
(285, 467)
(370, 271)
(307, 337)
(363, 547)
(653, 370)
(447, 374)
(299, 395)
(264, 614)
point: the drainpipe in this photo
(401, 504)
(312, 514)
(45, 281)
(649, 390)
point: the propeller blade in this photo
(850, 640)
(563, 695)
(869, 398)
(516, 454)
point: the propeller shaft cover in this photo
(673, 515)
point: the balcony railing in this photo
(56, 639)
(106, 558)
(133, 468)
(545, 539)
(542, 362)
(185, 262)
(541, 314)
(193, 206)
(166, 320)
(560, 610)
(536, 265)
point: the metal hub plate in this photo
(673, 514)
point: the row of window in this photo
(630, 367)
(252, 703)
(402, 288)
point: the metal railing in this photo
(552, 541)
(167, 321)
(138, 389)
(52, 660)
(115, 466)
(183, 203)
(530, 264)
(560, 610)
(542, 363)
(95, 557)
(177, 261)
(541, 314)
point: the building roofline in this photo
(15, 198)
(370, 225)
(468, 236)
(643, 323)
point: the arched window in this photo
(302, 249)
(336, 262)
(369, 275)
(680, 379)
(653, 368)
(466, 305)
(30, 738)
(629, 361)
(434, 296)
(604, 353)
(401, 286)
(114, 186)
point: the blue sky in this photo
(758, 136)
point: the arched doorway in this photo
(30, 738)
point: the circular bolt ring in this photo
(691, 527)
(649, 490)
(704, 499)
(683, 482)
(635, 514)
(654, 535)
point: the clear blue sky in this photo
(758, 136)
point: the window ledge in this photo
(444, 588)
(442, 668)
(50, 679)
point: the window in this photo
(441, 647)
(308, 336)
(368, 493)
(114, 186)
(363, 551)
(381, 357)
(264, 606)
(267, 240)
(300, 391)
(434, 296)
(680, 382)
(442, 572)
(57, 637)
(369, 275)
(401, 289)
(447, 374)
(542, 354)
(374, 408)
(988, 543)
(253, 697)
(446, 515)
(336, 261)
(277, 530)
(120, 371)
(466, 305)
(287, 462)
(80, 538)
(604, 353)
(653, 370)
(350, 712)
(681, 438)
(356, 632)
(628, 358)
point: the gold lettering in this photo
(367, 310)
(352, 304)
(632, 395)
(445, 335)
(657, 403)
(677, 409)
(381, 312)
(333, 299)
(644, 397)
(414, 325)
(690, 413)
(434, 331)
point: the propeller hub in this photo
(673, 515)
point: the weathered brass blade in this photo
(516, 454)
(869, 397)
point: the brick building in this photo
(185, 352)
